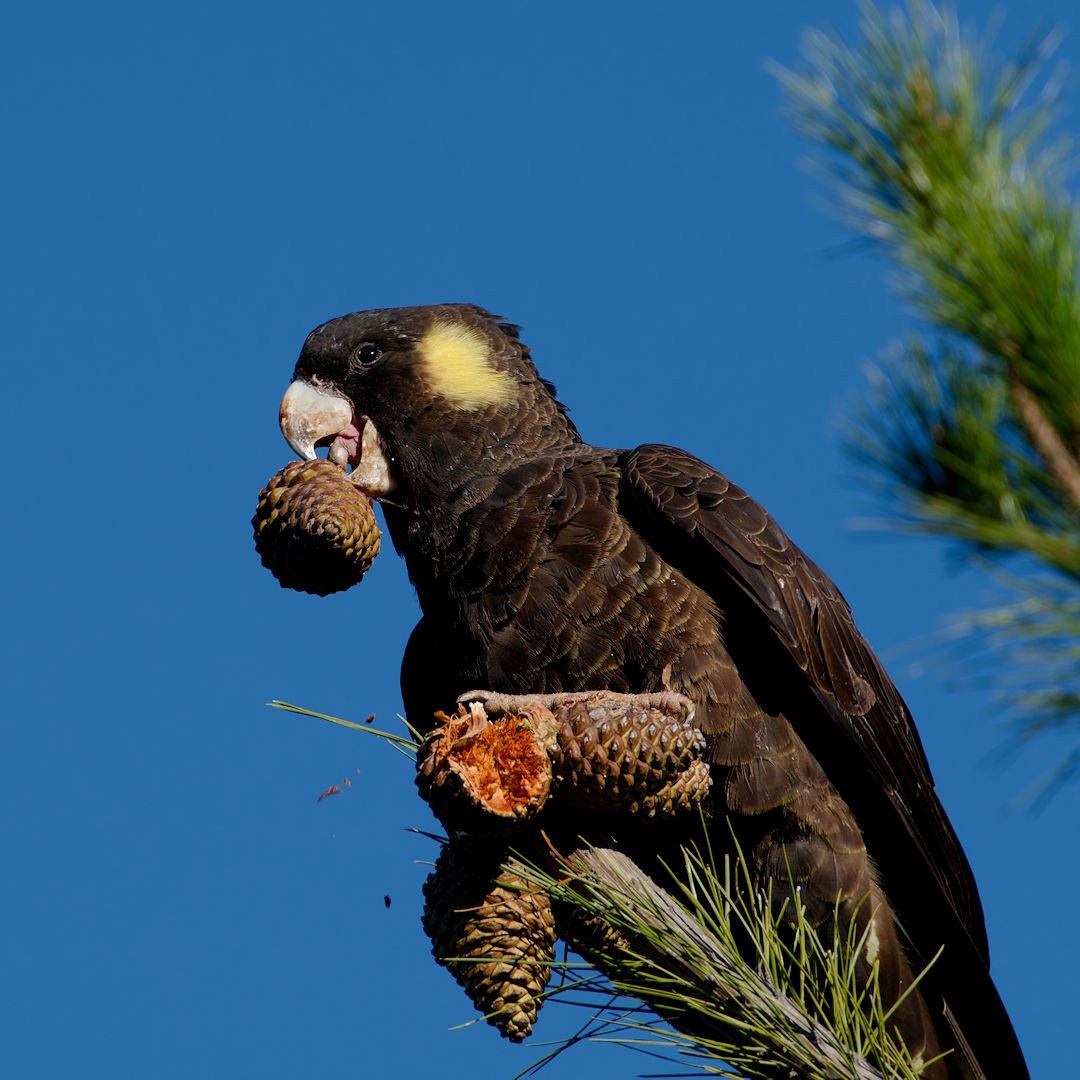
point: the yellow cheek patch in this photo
(457, 365)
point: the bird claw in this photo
(667, 701)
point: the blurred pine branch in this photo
(971, 430)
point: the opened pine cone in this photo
(484, 777)
(314, 529)
(494, 932)
(492, 767)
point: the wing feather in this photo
(717, 535)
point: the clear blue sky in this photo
(189, 190)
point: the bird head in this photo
(412, 399)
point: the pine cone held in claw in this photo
(314, 529)
(491, 768)
(629, 753)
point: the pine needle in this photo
(407, 746)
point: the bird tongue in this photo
(345, 445)
(357, 445)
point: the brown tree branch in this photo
(1048, 444)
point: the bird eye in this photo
(367, 354)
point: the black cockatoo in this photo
(544, 564)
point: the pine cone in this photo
(482, 777)
(314, 529)
(617, 754)
(494, 934)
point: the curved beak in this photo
(309, 414)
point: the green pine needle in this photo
(407, 746)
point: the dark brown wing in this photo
(842, 704)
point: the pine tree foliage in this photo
(972, 429)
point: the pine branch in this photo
(798, 1011)
(939, 162)
(936, 440)
(1062, 464)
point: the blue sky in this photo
(190, 191)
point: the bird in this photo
(543, 564)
